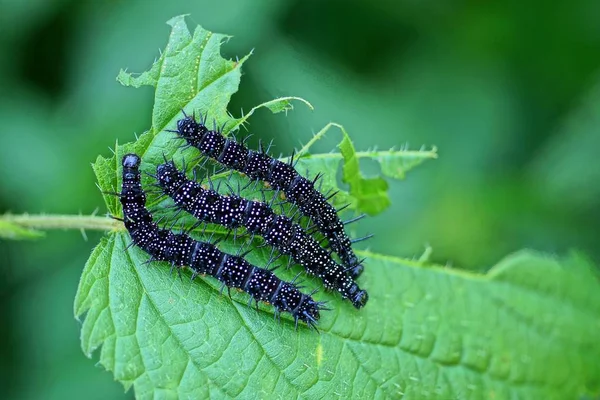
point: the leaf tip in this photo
(124, 77)
(177, 19)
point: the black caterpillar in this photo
(204, 258)
(259, 219)
(259, 165)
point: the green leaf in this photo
(191, 75)
(426, 332)
(370, 193)
(396, 163)
(367, 195)
(13, 231)
(528, 329)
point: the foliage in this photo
(526, 329)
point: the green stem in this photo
(80, 222)
(268, 104)
(387, 153)
(319, 135)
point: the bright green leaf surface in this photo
(527, 329)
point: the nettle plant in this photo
(526, 329)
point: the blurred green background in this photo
(509, 92)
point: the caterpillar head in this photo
(131, 161)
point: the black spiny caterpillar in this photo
(204, 258)
(259, 165)
(259, 219)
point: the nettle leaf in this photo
(527, 329)
(366, 195)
